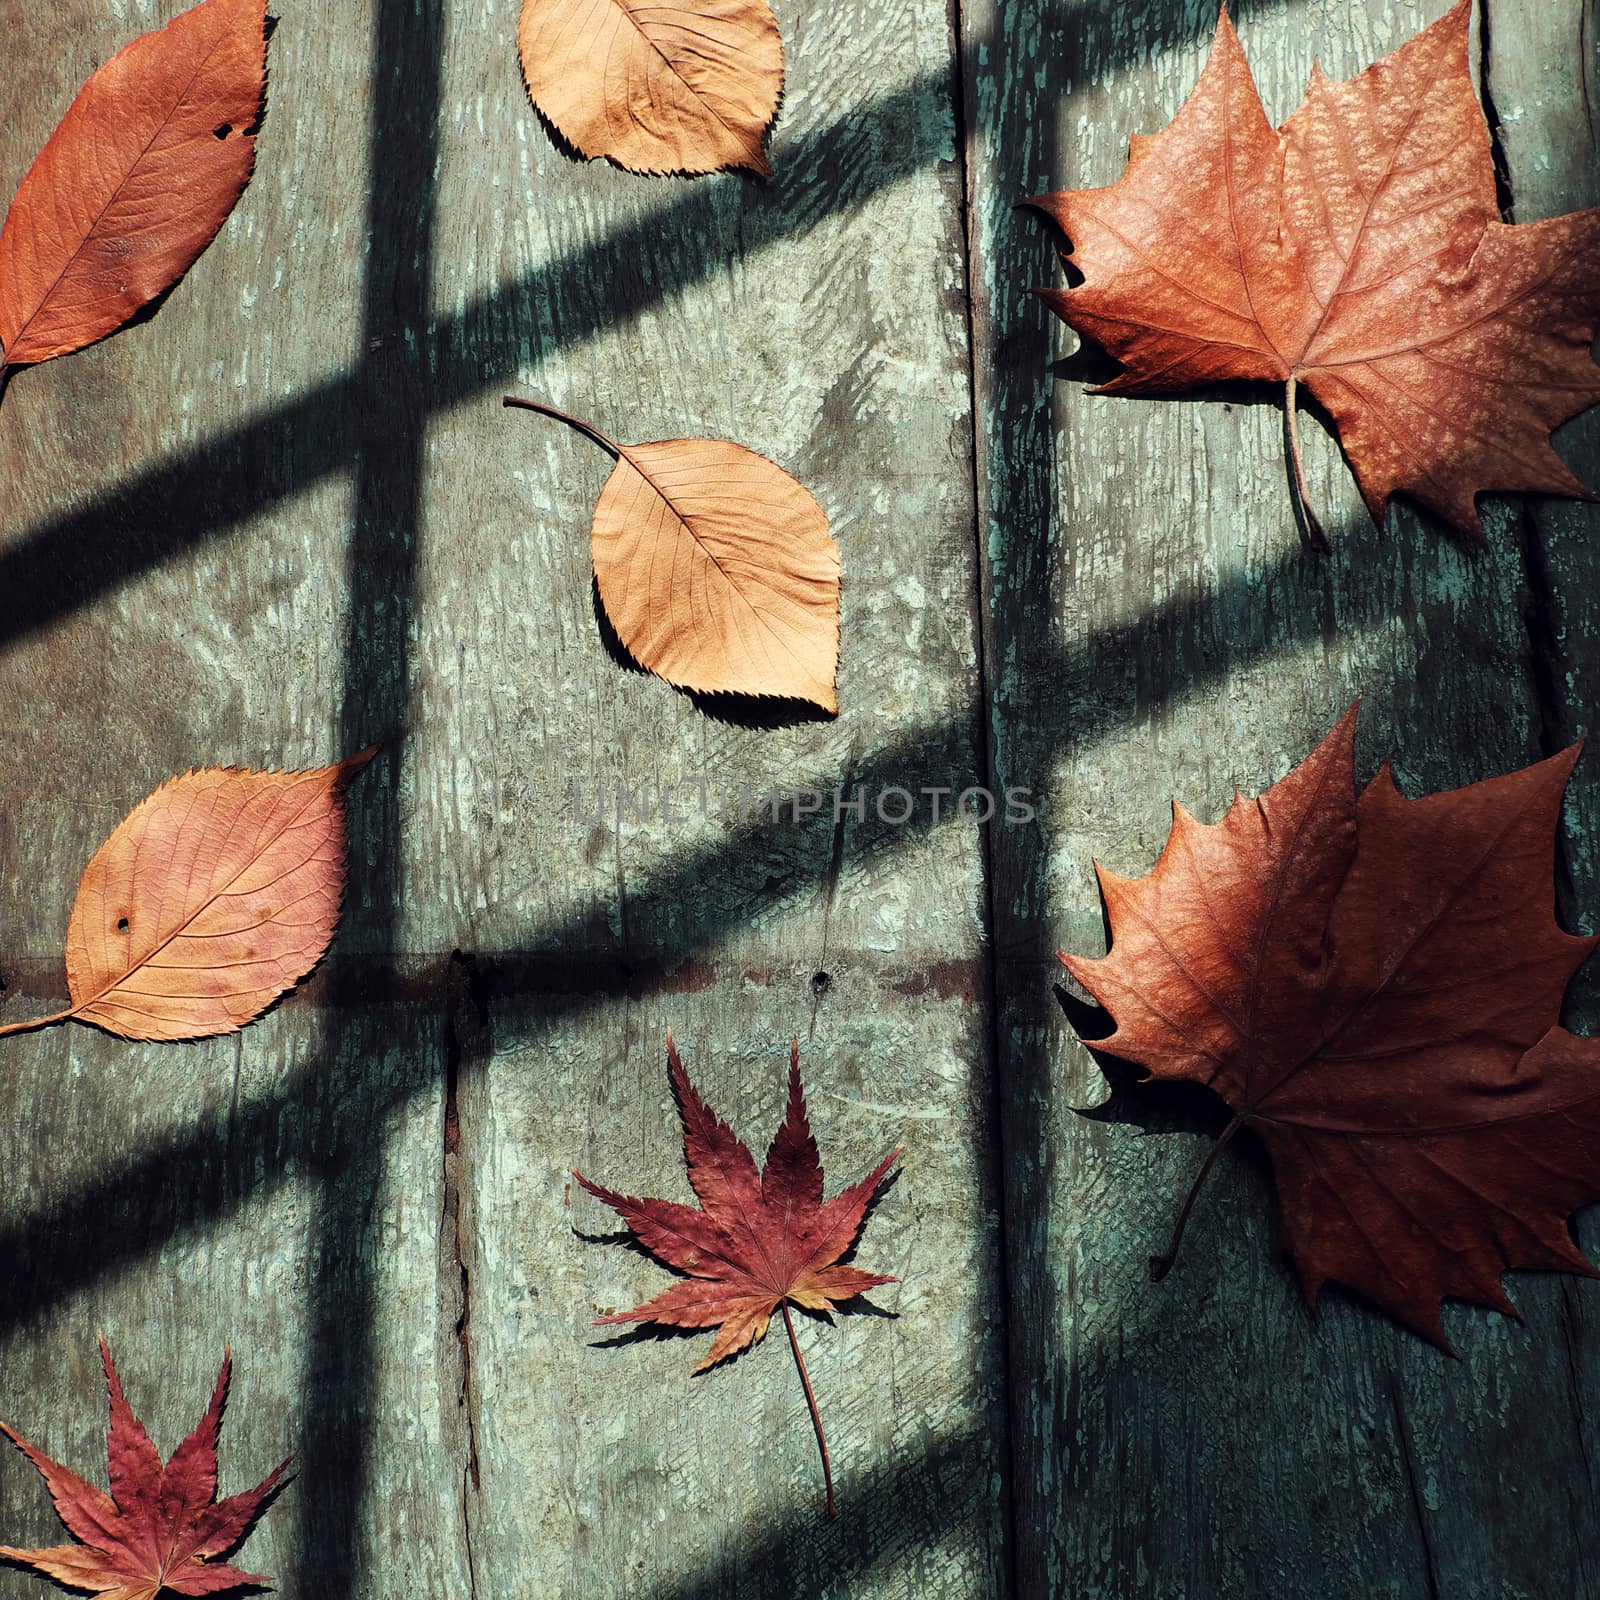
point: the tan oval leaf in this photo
(656, 88)
(210, 899)
(134, 183)
(717, 571)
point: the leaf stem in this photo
(33, 1024)
(811, 1400)
(1306, 517)
(608, 445)
(1161, 1265)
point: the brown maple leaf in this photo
(1373, 985)
(162, 1528)
(759, 1243)
(715, 567)
(1358, 251)
(134, 183)
(212, 897)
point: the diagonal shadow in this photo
(204, 492)
(378, 413)
(85, 1235)
(1071, 1388)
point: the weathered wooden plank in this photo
(281, 1190)
(1153, 629)
(176, 1201)
(345, 1183)
(1540, 68)
(605, 1464)
(332, 533)
(818, 318)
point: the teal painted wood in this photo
(177, 1201)
(1541, 71)
(819, 318)
(293, 517)
(697, 1486)
(287, 515)
(180, 511)
(1153, 629)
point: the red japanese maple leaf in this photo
(761, 1242)
(1357, 250)
(161, 1529)
(1374, 985)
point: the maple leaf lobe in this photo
(1373, 984)
(161, 1528)
(758, 1240)
(1357, 251)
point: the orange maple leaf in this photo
(1357, 251)
(1373, 984)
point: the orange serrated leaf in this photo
(656, 88)
(211, 898)
(1357, 251)
(759, 1242)
(715, 567)
(1374, 986)
(162, 1528)
(134, 183)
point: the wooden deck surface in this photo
(287, 516)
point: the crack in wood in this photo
(985, 735)
(1418, 1507)
(1497, 149)
(466, 1046)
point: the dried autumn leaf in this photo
(162, 1528)
(760, 1242)
(657, 88)
(1374, 986)
(715, 567)
(211, 898)
(1358, 251)
(134, 183)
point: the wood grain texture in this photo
(818, 319)
(343, 531)
(287, 516)
(190, 531)
(1153, 629)
(1542, 70)
(177, 1200)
